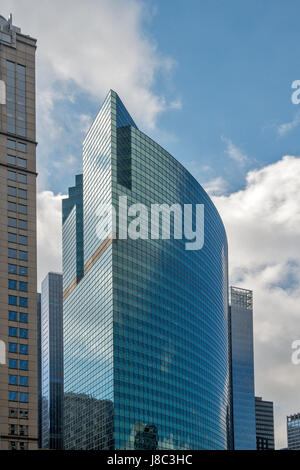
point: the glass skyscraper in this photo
(242, 369)
(264, 415)
(145, 320)
(293, 431)
(52, 362)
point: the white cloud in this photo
(287, 127)
(234, 152)
(98, 45)
(49, 233)
(216, 186)
(263, 227)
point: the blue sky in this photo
(234, 63)
(210, 80)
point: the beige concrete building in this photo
(18, 289)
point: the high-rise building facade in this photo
(264, 415)
(52, 362)
(18, 291)
(242, 369)
(146, 326)
(293, 431)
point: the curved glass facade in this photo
(146, 328)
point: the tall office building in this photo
(18, 291)
(242, 369)
(52, 362)
(145, 320)
(39, 356)
(293, 431)
(264, 416)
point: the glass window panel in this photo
(12, 222)
(11, 175)
(23, 318)
(12, 316)
(11, 191)
(12, 300)
(23, 302)
(11, 159)
(12, 253)
(22, 162)
(22, 193)
(22, 178)
(23, 271)
(11, 144)
(12, 237)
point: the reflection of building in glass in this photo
(242, 369)
(52, 362)
(146, 437)
(146, 326)
(264, 415)
(91, 420)
(293, 431)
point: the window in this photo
(13, 396)
(23, 333)
(23, 255)
(11, 175)
(23, 271)
(23, 349)
(23, 318)
(13, 332)
(12, 445)
(22, 194)
(12, 412)
(23, 430)
(23, 381)
(13, 348)
(12, 300)
(12, 238)
(23, 302)
(12, 429)
(22, 240)
(11, 144)
(12, 206)
(21, 147)
(22, 162)
(12, 316)
(23, 365)
(12, 191)
(12, 253)
(12, 284)
(23, 445)
(23, 286)
(11, 159)
(13, 380)
(12, 269)
(22, 209)
(23, 414)
(12, 222)
(22, 224)
(22, 178)
(23, 397)
(12, 363)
